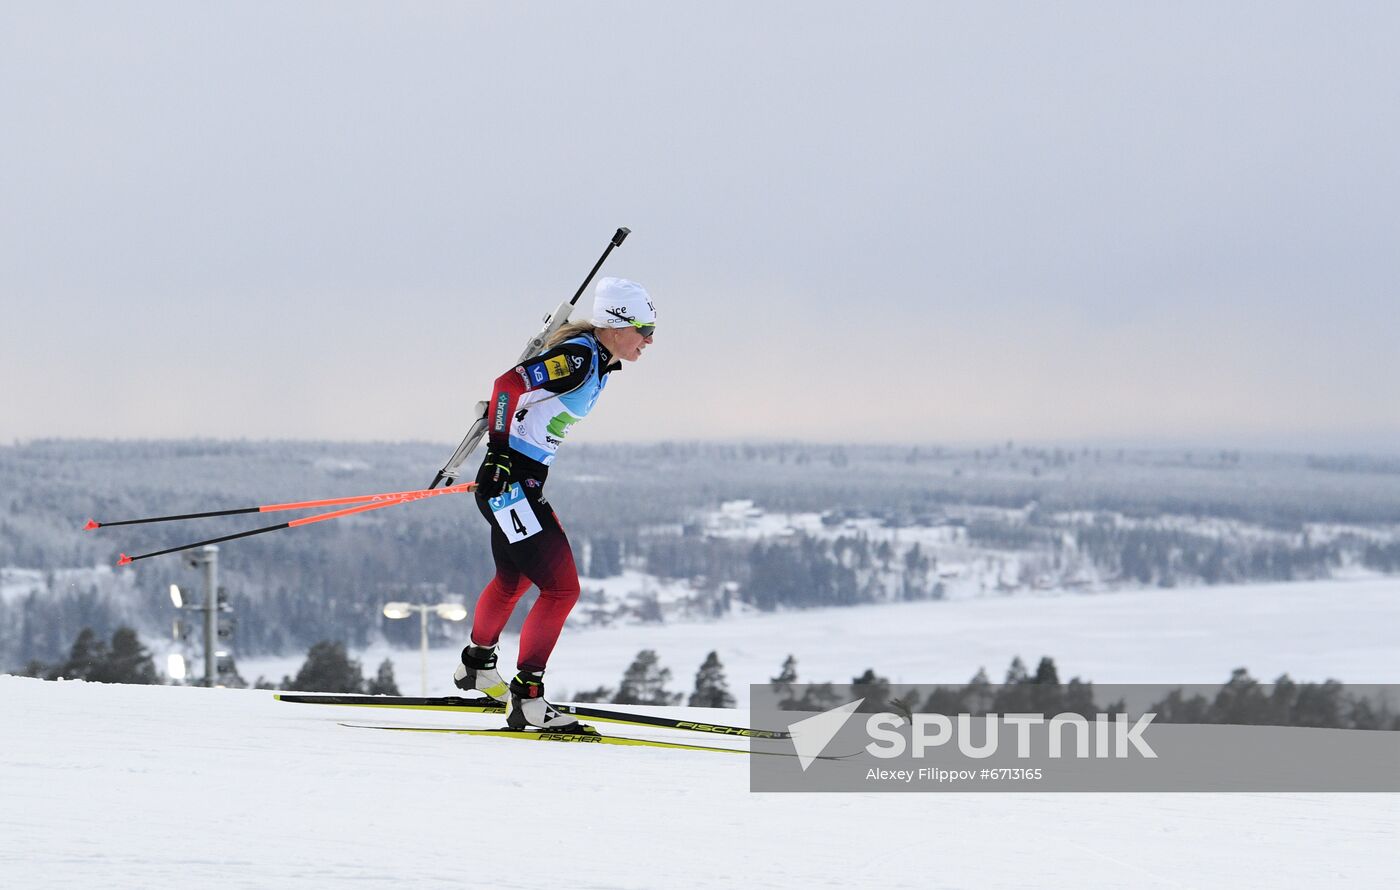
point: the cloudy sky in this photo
(877, 221)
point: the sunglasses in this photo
(646, 330)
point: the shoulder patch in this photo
(536, 373)
(557, 367)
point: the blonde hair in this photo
(568, 332)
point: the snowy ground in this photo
(1312, 631)
(152, 787)
(140, 787)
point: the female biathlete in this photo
(531, 409)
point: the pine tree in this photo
(1044, 689)
(1240, 702)
(383, 682)
(711, 689)
(644, 683)
(1283, 700)
(789, 672)
(1319, 705)
(128, 661)
(327, 669)
(977, 695)
(874, 689)
(1016, 673)
(782, 684)
(85, 660)
(1077, 697)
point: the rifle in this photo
(552, 322)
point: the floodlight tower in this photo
(445, 611)
(208, 557)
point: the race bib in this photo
(514, 514)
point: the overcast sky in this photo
(917, 222)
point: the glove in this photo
(494, 475)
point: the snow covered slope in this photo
(139, 787)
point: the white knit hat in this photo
(617, 303)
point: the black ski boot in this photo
(477, 673)
(528, 709)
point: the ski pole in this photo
(396, 496)
(384, 501)
(552, 322)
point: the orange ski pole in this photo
(377, 502)
(273, 508)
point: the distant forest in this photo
(1243, 517)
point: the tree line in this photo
(1242, 700)
(328, 668)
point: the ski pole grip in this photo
(620, 236)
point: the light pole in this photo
(208, 557)
(445, 611)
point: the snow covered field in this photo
(1315, 630)
(141, 787)
(153, 786)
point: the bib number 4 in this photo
(514, 514)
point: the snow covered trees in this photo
(645, 680)
(125, 660)
(327, 669)
(711, 689)
(644, 683)
(383, 682)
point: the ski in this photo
(594, 737)
(480, 705)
